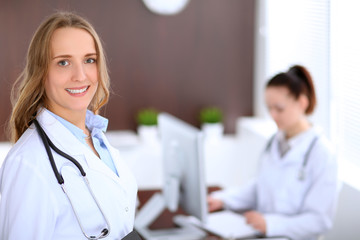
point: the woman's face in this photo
(284, 108)
(72, 79)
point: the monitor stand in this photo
(151, 210)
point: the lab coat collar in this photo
(299, 146)
(56, 130)
(71, 145)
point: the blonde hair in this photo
(28, 92)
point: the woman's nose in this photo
(79, 73)
(274, 115)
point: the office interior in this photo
(212, 53)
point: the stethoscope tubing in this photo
(306, 157)
(48, 143)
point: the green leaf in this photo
(147, 117)
(211, 115)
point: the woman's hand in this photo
(256, 220)
(214, 204)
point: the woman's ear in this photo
(303, 102)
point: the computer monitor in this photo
(184, 181)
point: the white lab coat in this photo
(33, 205)
(293, 208)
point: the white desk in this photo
(229, 161)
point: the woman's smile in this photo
(77, 91)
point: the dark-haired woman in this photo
(295, 192)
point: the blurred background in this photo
(178, 64)
(213, 53)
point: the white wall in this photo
(297, 31)
(347, 219)
(292, 32)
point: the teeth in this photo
(76, 90)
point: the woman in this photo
(61, 90)
(295, 193)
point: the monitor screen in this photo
(184, 173)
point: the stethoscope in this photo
(47, 143)
(301, 175)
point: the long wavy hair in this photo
(28, 92)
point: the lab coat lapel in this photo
(59, 134)
(98, 165)
(274, 153)
(296, 153)
(123, 171)
(67, 142)
(290, 156)
(120, 165)
(116, 158)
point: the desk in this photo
(165, 219)
(230, 161)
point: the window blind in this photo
(298, 32)
(345, 75)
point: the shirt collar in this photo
(296, 139)
(95, 123)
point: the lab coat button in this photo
(126, 209)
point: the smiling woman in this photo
(72, 79)
(52, 37)
(58, 95)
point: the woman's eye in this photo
(63, 63)
(90, 60)
(279, 109)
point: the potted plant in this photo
(147, 124)
(211, 122)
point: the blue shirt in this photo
(96, 124)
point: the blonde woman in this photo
(59, 143)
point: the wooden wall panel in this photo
(202, 56)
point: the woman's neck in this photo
(301, 126)
(75, 117)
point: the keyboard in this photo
(227, 224)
